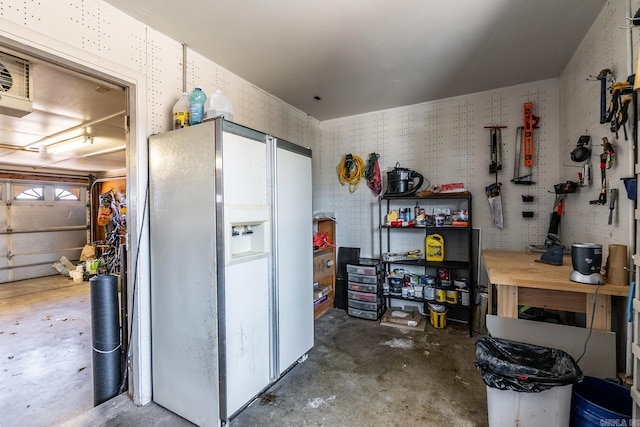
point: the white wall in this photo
(446, 142)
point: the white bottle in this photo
(218, 105)
(181, 112)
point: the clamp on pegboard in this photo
(606, 79)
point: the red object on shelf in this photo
(460, 223)
(322, 240)
(401, 224)
(451, 186)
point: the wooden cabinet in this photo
(324, 266)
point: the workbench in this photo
(520, 280)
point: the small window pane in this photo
(67, 193)
(24, 192)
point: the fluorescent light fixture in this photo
(70, 144)
(105, 151)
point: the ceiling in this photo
(66, 104)
(367, 55)
(358, 56)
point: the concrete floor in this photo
(45, 351)
(361, 373)
(358, 373)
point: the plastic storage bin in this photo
(361, 305)
(361, 278)
(527, 385)
(366, 270)
(362, 287)
(363, 296)
(365, 314)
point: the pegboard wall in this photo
(446, 142)
(603, 47)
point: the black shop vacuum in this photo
(401, 182)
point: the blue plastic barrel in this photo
(597, 402)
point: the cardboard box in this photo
(321, 291)
(408, 318)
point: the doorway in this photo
(77, 132)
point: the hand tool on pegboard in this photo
(584, 177)
(552, 238)
(621, 117)
(495, 204)
(609, 152)
(530, 122)
(519, 177)
(614, 103)
(561, 190)
(495, 146)
(602, 198)
(618, 112)
(607, 159)
(493, 190)
(582, 153)
(617, 90)
(604, 77)
(613, 196)
(554, 247)
(524, 147)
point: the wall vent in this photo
(15, 86)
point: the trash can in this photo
(527, 385)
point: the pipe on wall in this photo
(184, 67)
(631, 172)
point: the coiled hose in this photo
(350, 171)
(372, 174)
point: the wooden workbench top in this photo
(520, 269)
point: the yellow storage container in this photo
(434, 247)
(438, 320)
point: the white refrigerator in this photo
(231, 266)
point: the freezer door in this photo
(294, 250)
(184, 327)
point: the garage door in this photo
(39, 223)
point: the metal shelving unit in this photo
(458, 252)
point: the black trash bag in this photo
(528, 368)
